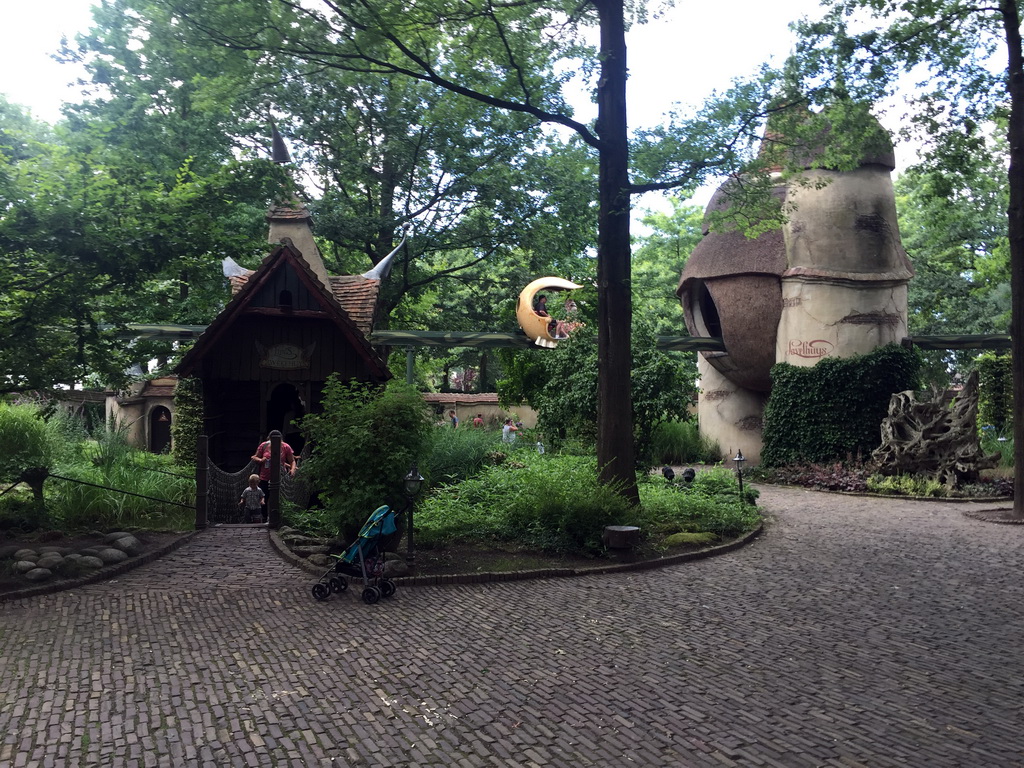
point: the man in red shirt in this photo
(262, 455)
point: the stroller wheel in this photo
(371, 595)
(321, 591)
(387, 587)
(337, 584)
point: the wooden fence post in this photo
(274, 486)
(202, 481)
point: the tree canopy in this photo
(89, 242)
(512, 59)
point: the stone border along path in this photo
(282, 548)
(855, 631)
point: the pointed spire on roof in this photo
(278, 149)
(278, 152)
(289, 219)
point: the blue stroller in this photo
(363, 559)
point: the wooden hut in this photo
(289, 325)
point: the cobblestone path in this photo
(854, 632)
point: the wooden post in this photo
(274, 486)
(202, 482)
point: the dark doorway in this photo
(159, 430)
(284, 409)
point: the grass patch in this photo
(77, 506)
(454, 455)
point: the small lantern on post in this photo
(413, 482)
(738, 459)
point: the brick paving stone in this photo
(854, 632)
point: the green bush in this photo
(555, 504)
(992, 442)
(56, 444)
(680, 442)
(364, 442)
(32, 446)
(552, 503)
(834, 409)
(561, 385)
(317, 521)
(29, 440)
(710, 503)
(111, 448)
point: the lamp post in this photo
(413, 482)
(738, 458)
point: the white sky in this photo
(697, 47)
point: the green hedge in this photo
(835, 408)
(995, 396)
(188, 421)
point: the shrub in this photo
(32, 444)
(111, 448)
(116, 466)
(561, 384)
(905, 485)
(29, 441)
(680, 442)
(363, 444)
(995, 391)
(992, 442)
(988, 487)
(55, 444)
(317, 522)
(711, 503)
(554, 503)
(848, 476)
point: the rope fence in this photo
(126, 493)
(225, 489)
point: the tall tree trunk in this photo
(1015, 214)
(615, 451)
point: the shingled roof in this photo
(356, 295)
(245, 286)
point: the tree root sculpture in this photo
(932, 439)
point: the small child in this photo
(253, 499)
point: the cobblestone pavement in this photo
(854, 632)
